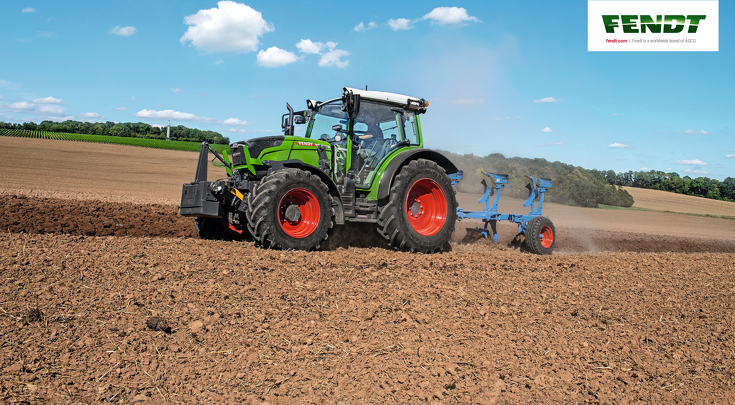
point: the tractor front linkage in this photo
(538, 230)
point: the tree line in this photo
(673, 182)
(570, 185)
(123, 129)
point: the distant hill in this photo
(571, 185)
(122, 129)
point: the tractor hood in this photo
(257, 145)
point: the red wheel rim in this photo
(547, 236)
(426, 207)
(309, 209)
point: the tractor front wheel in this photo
(540, 236)
(422, 209)
(290, 209)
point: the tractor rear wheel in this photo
(290, 209)
(540, 234)
(422, 209)
(220, 229)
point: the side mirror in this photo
(337, 128)
(299, 119)
(350, 103)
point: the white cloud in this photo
(694, 162)
(28, 10)
(615, 115)
(123, 31)
(46, 34)
(695, 171)
(50, 111)
(172, 115)
(234, 121)
(49, 100)
(467, 101)
(361, 27)
(449, 15)
(334, 57)
(132, 99)
(545, 100)
(231, 27)
(175, 90)
(37, 109)
(547, 129)
(552, 144)
(644, 169)
(309, 47)
(400, 24)
(275, 57)
(218, 62)
(2, 98)
(730, 156)
(89, 115)
(22, 105)
(121, 108)
(33, 108)
(693, 132)
(618, 145)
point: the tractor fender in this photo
(339, 215)
(404, 158)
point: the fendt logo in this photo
(671, 24)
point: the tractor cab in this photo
(364, 129)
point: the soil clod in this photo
(158, 324)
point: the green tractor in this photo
(361, 160)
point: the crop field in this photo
(144, 142)
(109, 296)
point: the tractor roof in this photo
(393, 98)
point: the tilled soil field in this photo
(93, 310)
(108, 296)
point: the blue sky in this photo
(501, 77)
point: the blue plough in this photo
(539, 231)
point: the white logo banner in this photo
(653, 26)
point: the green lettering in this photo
(694, 22)
(610, 24)
(630, 23)
(670, 28)
(647, 22)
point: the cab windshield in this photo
(329, 115)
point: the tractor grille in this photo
(257, 145)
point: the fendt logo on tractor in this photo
(361, 160)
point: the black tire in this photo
(271, 198)
(535, 229)
(394, 222)
(218, 229)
